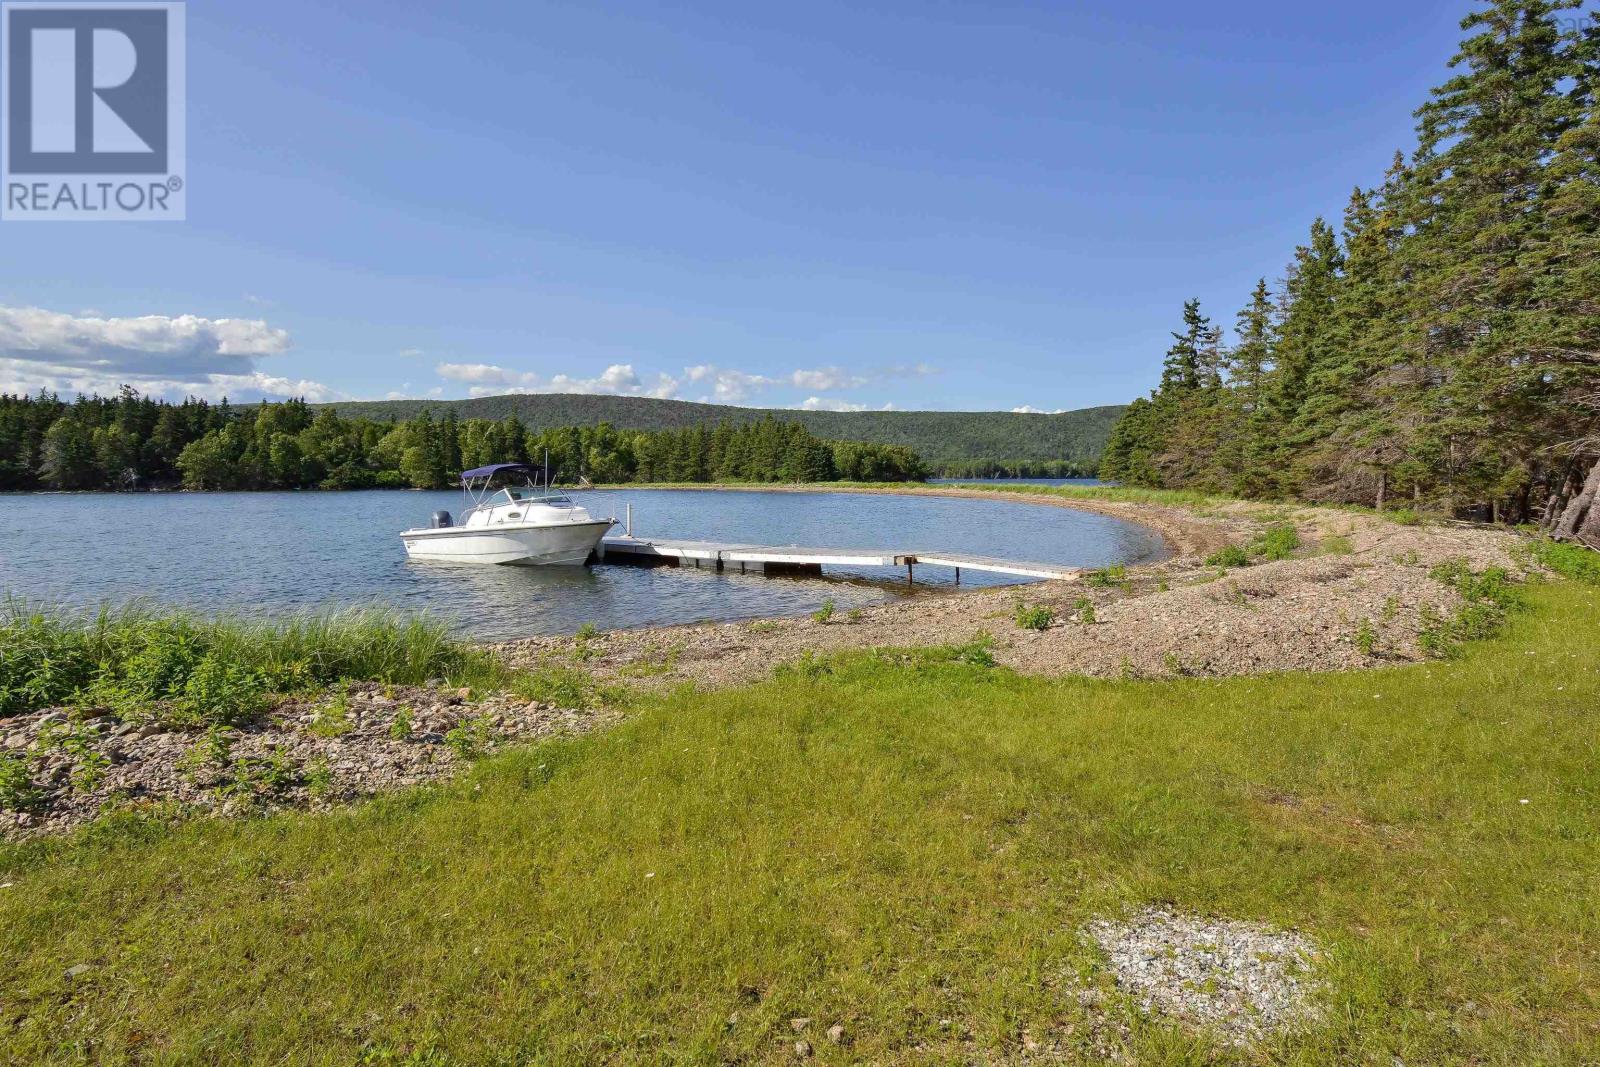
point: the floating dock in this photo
(794, 559)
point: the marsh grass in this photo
(903, 842)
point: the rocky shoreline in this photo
(1356, 592)
(306, 753)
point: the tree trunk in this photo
(1383, 488)
(1552, 513)
(1581, 520)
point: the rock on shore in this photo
(307, 752)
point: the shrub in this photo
(261, 776)
(1084, 607)
(1403, 517)
(1037, 617)
(1277, 541)
(40, 664)
(1366, 638)
(17, 790)
(401, 728)
(1109, 578)
(1486, 597)
(1229, 556)
(825, 612)
(583, 641)
(222, 692)
(319, 777)
(333, 718)
(214, 751)
(471, 738)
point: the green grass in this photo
(886, 842)
(1573, 561)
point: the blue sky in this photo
(929, 205)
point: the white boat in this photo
(512, 519)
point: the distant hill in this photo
(940, 437)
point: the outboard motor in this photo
(442, 520)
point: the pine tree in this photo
(1484, 185)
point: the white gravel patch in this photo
(1245, 980)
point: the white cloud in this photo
(159, 355)
(729, 386)
(1029, 409)
(619, 379)
(720, 385)
(822, 403)
(19, 376)
(736, 386)
(827, 379)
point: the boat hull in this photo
(564, 545)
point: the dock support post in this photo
(910, 580)
(630, 520)
(958, 575)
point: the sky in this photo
(918, 205)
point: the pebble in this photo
(1247, 980)
(802, 1049)
(144, 760)
(77, 969)
(798, 1025)
(836, 1034)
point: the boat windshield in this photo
(531, 494)
(511, 487)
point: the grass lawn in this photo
(904, 848)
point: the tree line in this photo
(1443, 345)
(1018, 468)
(136, 442)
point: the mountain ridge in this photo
(940, 437)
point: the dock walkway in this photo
(795, 559)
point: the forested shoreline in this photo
(1444, 345)
(132, 442)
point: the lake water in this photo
(276, 553)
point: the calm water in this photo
(275, 553)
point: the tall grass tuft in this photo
(213, 669)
